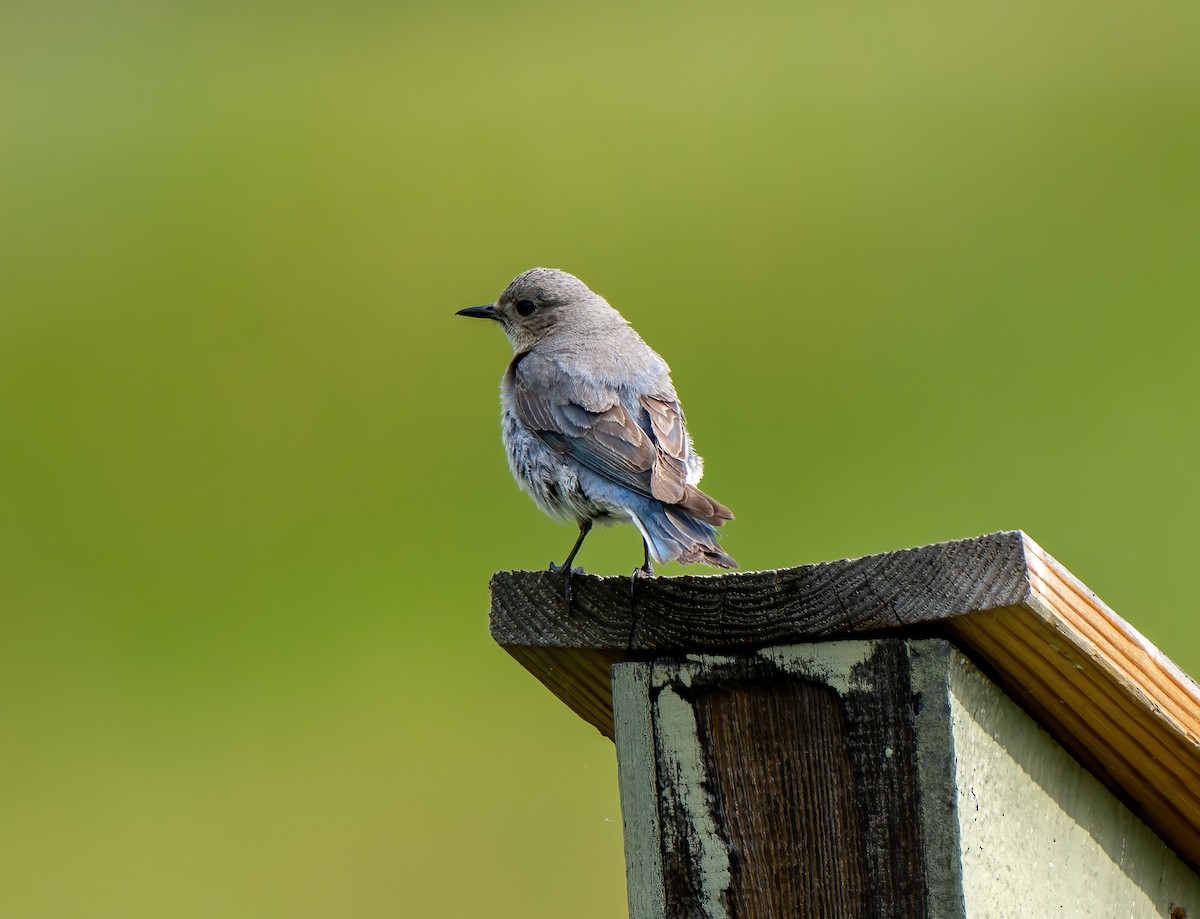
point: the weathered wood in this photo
(637, 769)
(755, 609)
(787, 784)
(1103, 691)
(871, 778)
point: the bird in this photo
(592, 425)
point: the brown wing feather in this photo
(595, 428)
(706, 508)
(666, 421)
(668, 477)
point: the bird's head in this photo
(544, 302)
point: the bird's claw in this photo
(643, 573)
(566, 576)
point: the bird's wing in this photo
(669, 475)
(668, 478)
(592, 425)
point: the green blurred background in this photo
(922, 271)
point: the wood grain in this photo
(782, 790)
(759, 608)
(1124, 709)
(1100, 688)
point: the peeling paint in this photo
(831, 662)
(685, 758)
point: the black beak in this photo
(479, 312)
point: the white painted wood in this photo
(930, 665)
(638, 783)
(682, 757)
(1012, 826)
(1039, 835)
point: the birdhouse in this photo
(957, 730)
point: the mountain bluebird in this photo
(592, 425)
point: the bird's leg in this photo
(585, 527)
(646, 571)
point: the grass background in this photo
(922, 272)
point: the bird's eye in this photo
(526, 307)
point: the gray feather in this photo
(592, 424)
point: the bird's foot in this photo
(644, 573)
(566, 576)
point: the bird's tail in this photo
(685, 532)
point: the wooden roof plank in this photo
(1124, 709)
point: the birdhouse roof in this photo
(1109, 696)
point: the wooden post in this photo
(813, 742)
(787, 783)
